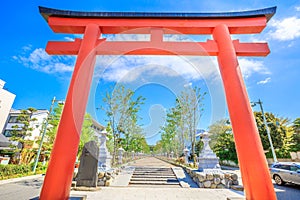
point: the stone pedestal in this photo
(207, 158)
(104, 159)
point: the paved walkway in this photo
(28, 187)
(135, 193)
(189, 189)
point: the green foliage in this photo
(198, 147)
(281, 134)
(181, 122)
(191, 108)
(20, 131)
(158, 147)
(53, 122)
(222, 141)
(225, 147)
(10, 171)
(87, 133)
(24, 129)
(13, 171)
(122, 109)
(296, 135)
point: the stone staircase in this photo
(154, 177)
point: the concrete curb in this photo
(13, 180)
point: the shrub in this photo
(10, 171)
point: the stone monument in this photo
(186, 155)
(120, 155)
(88, 168)
(104, 160)
(207, 158)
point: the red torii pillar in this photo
(253, 165)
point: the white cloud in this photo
(131, 68)
(297, 8)
(285, 29)
(27, 48)
(267, 80)
(39, 60)
(69, 39)
(128, 68)
(250, 66)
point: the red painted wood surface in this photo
(60, 170)
(252, 160)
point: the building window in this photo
(13, 119)
(7, 133)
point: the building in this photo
(6, 102)
(37, 124)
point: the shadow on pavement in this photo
(287, 192)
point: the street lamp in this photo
(267, 128)
(44, 132)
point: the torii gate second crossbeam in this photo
(252, 161)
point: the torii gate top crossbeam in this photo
(65, 21)
(157, 24)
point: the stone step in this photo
(154, 179)
(154, 186)
(152, 176)
(154, 183)
(152, 169)
(147, 173)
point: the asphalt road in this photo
(287, 192)
(21, 190)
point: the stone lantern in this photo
(207, 158)
(186, 155)
(104, 159)
(172, 154)
(120, 155)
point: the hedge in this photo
(13, 171)
(10, 171)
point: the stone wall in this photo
(210, 178)
(213, 178)
(106, 178)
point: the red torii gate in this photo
(252, 161)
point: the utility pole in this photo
(267, 128)
(43, 135)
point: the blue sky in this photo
(36, 77)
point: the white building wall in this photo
(6, 102)
(37, 125)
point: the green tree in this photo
(122, 111)
(87, 133)
(157, 149)
(171, 132)
(182, 121)
(20, 132)
(222, 140)
(191, 107)
(296, 136)
(281, 134)
(53, 122)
